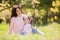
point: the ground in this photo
(51, 32)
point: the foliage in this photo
(46, 11)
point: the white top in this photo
(27, 28)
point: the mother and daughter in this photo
(20, 23)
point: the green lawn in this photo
(51, 31)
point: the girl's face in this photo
(18, 11)
(26, 20)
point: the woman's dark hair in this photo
(13, 12)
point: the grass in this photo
(51, 31)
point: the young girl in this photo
(27, 26)
(28, 29)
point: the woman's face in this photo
(18, 11)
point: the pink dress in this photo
(16, 25)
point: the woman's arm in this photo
(11, 26)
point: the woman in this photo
(16, 22)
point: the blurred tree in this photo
(55, 10)
(43, 11)
(0, 1)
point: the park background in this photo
(46, 15)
